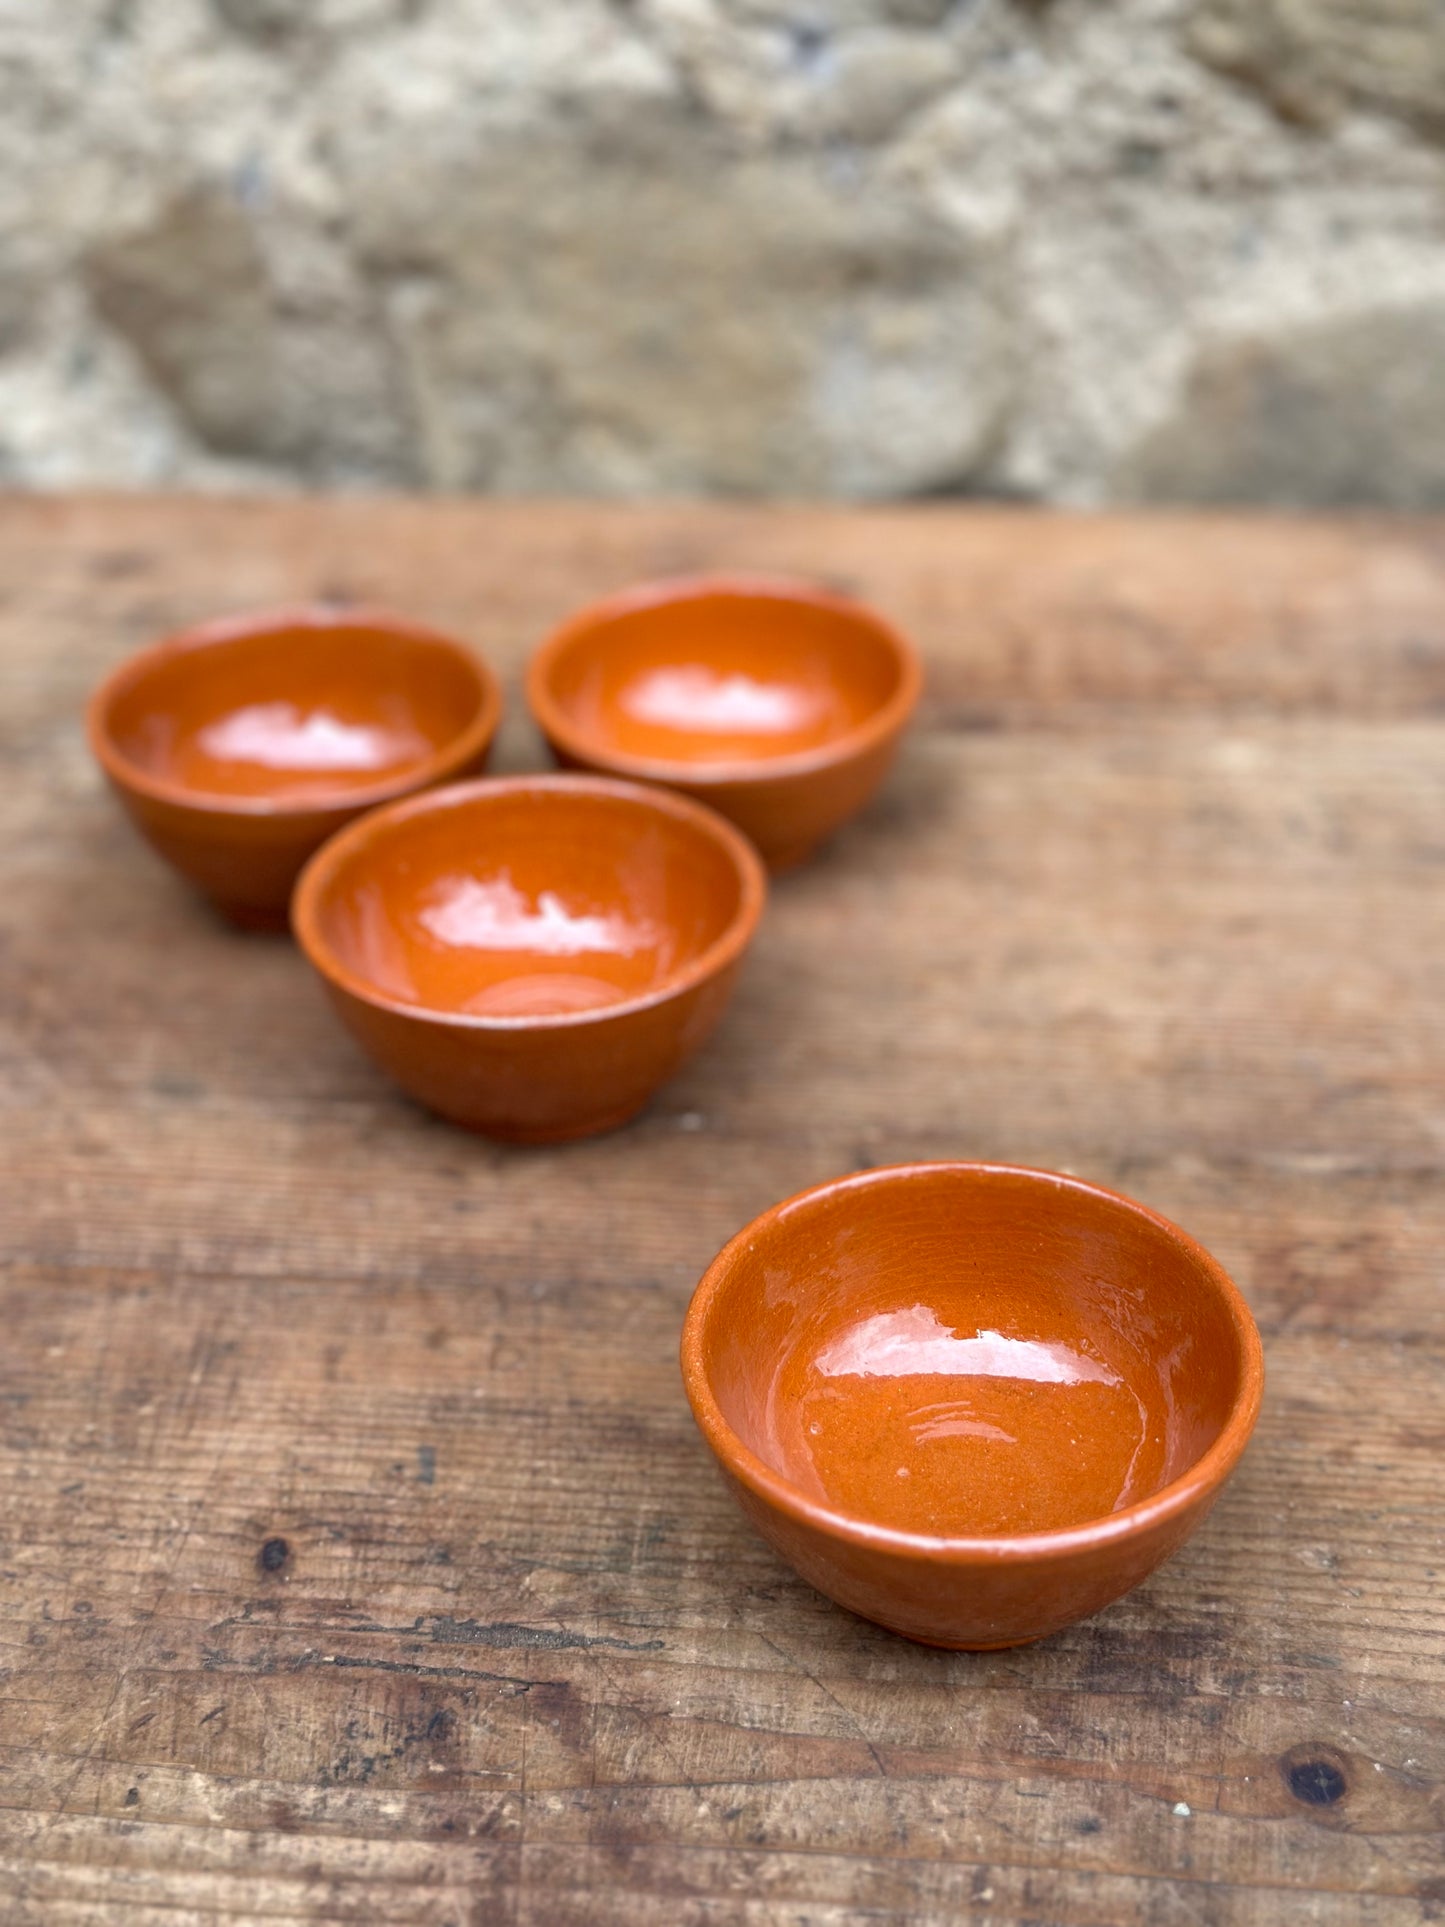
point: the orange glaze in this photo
(529, 901)
(474, 940)
(295, 711)
(724, 677)
(937, 1423)
(279, 748)
(972, 1402)
(695, 712)
(778, 703)
(238, 747)
(532, 957)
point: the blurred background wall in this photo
(1065, 250)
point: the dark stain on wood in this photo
(1319, 1783)
(1317, 1775)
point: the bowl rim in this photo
(1199, 1481)
(876, 728)
(447, 759)
(319, 872)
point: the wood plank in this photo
(359, 1560)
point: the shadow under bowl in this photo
(533, 956)
(239, 746)
(971, 1402)
(778, 703)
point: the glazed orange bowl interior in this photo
(529, 898)
(293, 710)
(969, 1353)
(704, 677)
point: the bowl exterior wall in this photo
(785, 816)
(247, 865)
(979, 1605)
(248, 862)
(543, 1084)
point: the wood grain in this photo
(360, 1562)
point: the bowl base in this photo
(966, 1645)
(791, 856)
(254, 917)
(540, 1134)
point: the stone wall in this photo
(1061, 249)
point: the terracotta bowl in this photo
(775, 702)
(532, 957)
(239, 746)
(971, 1402)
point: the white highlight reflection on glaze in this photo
(954, 1419)
(901, 1344)
(475, 913)
(697, 698)
(280, 736)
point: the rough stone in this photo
(262, 19)
(629, 310)
(799, 75)
(1347, 411)
(270, 21)
(832, 16)
(1312, 58)
(877, 78)
(873, 247)
(196, 297)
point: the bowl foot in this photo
(790, 856)
(254, 917)
(969, 1645)
(539, 1134)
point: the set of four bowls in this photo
(971, 1402)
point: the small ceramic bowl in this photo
(775, 702)
(971, 1402)
(532, 956)
(239, 746)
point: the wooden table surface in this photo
(360, 1561)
